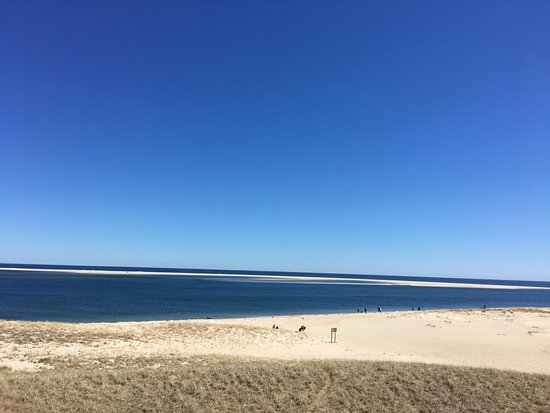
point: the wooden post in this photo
(333, 331)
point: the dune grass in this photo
(223, 384)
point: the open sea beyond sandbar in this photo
(41, 293)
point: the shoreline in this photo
(223, 319)
(293, 278)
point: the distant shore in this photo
(293, 278)
(507, 339)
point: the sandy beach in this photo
(508, 339)
(381, 362)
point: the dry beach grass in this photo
(223, 384)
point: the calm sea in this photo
(38, 295)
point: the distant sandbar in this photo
(293, 278)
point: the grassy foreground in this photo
(221, 384)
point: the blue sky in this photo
(379, 137)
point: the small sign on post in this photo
(333, 331)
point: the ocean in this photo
(76, 297)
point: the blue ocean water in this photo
(52, 296)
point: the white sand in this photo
(503, 339)
(292, 278)
(514, 339)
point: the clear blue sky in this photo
(388, 137)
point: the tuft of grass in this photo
(223, 384)
(21, 332)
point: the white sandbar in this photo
(292, 278)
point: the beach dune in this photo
(508, 339)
